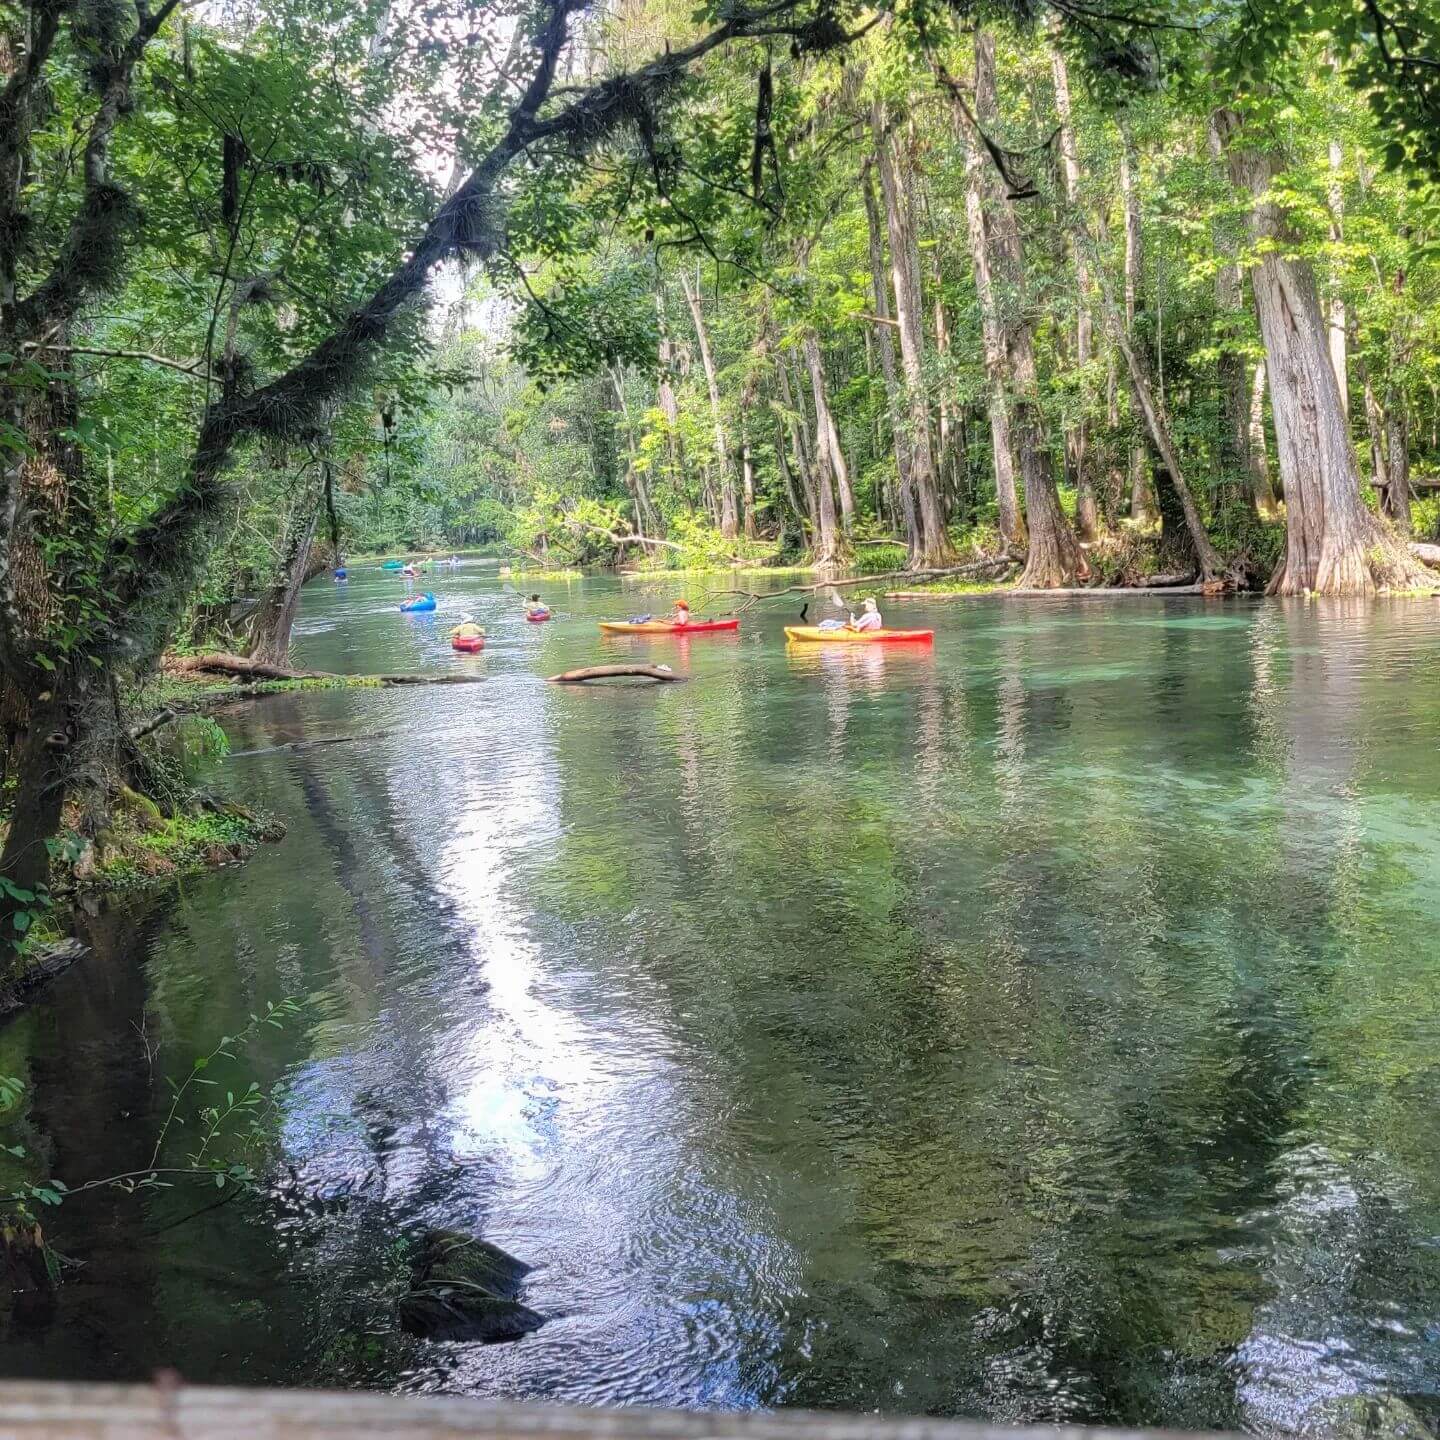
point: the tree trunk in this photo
(1143, 509)
(274, 616)
(997, 399)
(827, 436)
(885, 348)
(829, 548)
(1242, 461)
(1397, 418)
(645, 514)
(796, 422)
(1087, 514)
(1375, 431)
(1054, 558)
(1333, 544)
(1397, 471)
(59, 732)
(1158, 427)
(665, 390)
(935, 547)
(729, 515)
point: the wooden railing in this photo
(35, 1411)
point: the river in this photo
(1043, 1027)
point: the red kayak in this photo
(537, 617)
(467, 644)
(665, 627)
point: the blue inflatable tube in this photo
(420, 602)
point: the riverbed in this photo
(1040, 1027)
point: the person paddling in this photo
(536, 607)
(869, 617)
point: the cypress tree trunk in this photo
(748, 395)
(645, 514)
(935, 547)
(1143, 508)
(1397, 421)
(1054, 558)
(997, 400)
(885, 348)
(1333, 544)
(797, 421)
(729, 515)
(665, 390)
(1087, 512)
(829, 548)
(1397, 471)
(1236, 396)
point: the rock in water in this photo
(448, 1255)
(1365, 1417)
(464, 1288)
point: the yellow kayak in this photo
(814, 635)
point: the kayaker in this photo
(682, 612)
(467, 629)
(869, 617)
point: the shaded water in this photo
(1044, 1028)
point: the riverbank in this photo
(145, 841)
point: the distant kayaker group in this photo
(866, 627)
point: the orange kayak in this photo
(665, 627)
(814, 635)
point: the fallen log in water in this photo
(611, 672)
(238, 667)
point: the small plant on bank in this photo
(227, 1130)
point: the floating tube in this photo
(665, 627)
(420, 602)
(814, 635)
(393, 565)
(537, 617)
(467, 644)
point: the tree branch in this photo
(89, 259)
(192, 368)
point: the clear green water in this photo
(1045, 1027)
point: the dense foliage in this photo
(591, 419)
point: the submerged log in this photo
(610, 672)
